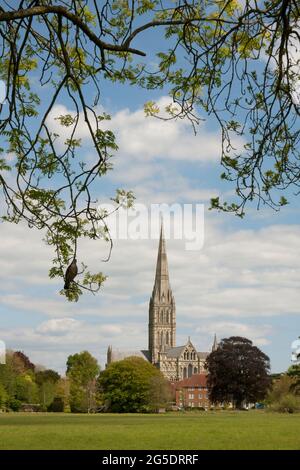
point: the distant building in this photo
(192, 392)
(175, 362)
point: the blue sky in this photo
(244, 281)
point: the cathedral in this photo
(175, 362)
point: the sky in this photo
(243, 281)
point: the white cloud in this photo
(224, 329)
(51, 342)
(145, 139)
(58, 326)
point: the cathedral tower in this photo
(162, 317)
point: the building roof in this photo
(147, 354)
(196, 380)
(175, 352)
(203, 355)
(119, 355)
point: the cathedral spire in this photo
(161, 285)
(162, 312)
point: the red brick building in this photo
(192, 392)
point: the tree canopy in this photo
(21, 383)
(237, 61)
(294, 373)
(82, 370)
(237, 372)
(133, 385)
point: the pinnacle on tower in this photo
(215, 344)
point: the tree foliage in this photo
(47, 375)
(3, 396)
(47, 382)
(22, 362)
(235, 60)
(282, 396)
(294, 373)
(21, 383)
(237, 372)
(82, 370)
(132, 385)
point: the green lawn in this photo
(212, 430)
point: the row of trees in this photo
(22, 382)
(238, 372)
(131, 385)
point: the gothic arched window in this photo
(190, 370)
(167, 338)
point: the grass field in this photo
(213, 430)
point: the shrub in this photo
(286, 404)
(57, 406)
(14, 404)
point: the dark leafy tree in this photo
(47, 375)
(235, 60)
(22, 361)
(57, 405)
(237, 372)
(132, 385)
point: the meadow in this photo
(191, 430)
